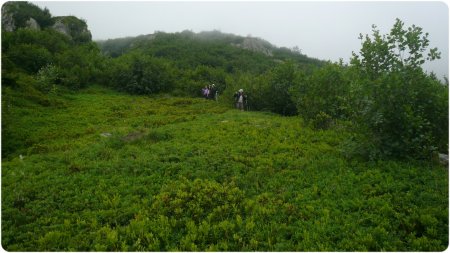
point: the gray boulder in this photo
(7, 19)
(73, 27)
(256, 45)
(59, 26)
(33, 24)
(443, 159)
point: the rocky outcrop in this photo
(17, 14)
(7, 20)
(256, 45)
(443, 159)
(59, 26)
(33, 24)
(72, 27)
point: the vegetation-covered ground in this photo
(107, 171)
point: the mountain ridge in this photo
(117, 46)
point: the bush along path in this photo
(106, 171)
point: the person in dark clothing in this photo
(240, 98)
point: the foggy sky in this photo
(323, 30)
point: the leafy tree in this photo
(405, 111)
(401, 48)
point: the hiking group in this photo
(210, 92)
(240, 98)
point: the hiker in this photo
(213, 92)
(216, 97)
(240, 98)
(205, 92)
(210, 91)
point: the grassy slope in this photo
(190, 174)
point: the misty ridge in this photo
(115, 46)
(212, 141)
(187, 39)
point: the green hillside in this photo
(109, 146)
(214, 49)
(112, 172)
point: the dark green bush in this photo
(322, 121)
(50, 39)
(81, 66)
(328, 90)
(29, 57)
(138, 74)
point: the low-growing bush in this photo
(322, 121)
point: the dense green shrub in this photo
(32, 51)
(194, 80)
(81, 66)
(268, 91)
(48, 77)
(29, 57)
(51, 40)
(405, 111)
(328, 90)
(322, 121)
(280, 80)
(139, 74)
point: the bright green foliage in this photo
(190, 174)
